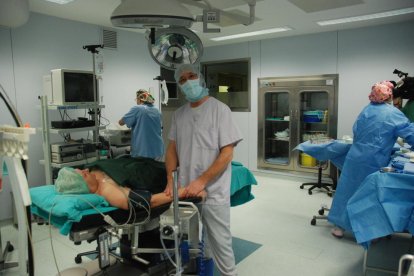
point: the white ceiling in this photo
(301, 15)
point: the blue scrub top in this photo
(145, 123)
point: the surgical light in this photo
(151, 14)
(171, 47)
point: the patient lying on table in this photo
(96, 180)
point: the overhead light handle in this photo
(152, 36)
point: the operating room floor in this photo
(278, 219)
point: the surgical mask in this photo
(193, 91)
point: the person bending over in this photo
(144, 120)
(375, 132)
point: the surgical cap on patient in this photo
(70, 182)
(381, 92)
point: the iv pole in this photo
(93, 50)
(177, 229)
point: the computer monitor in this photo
(70, 87)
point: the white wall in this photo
(361, 57)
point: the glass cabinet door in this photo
(313, 125)
(277, 128)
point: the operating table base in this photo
(321, 215)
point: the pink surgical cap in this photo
(381, 92)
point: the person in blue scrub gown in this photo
(145, 123)
(375, 132)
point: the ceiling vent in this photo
(110, 39)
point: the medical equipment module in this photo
(189, 227)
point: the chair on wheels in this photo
(319, 184)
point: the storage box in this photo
(313, 116)
(307, 160)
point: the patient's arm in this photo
(162, 198)
(119, 197)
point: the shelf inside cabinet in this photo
(315, 131)
(276, 120)
(315, 123)
(285, 139)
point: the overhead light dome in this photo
(14, 13)
(151, 14)
(175, 46)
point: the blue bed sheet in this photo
(383, 204)
(66, 209)
(334, 151)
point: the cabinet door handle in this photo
(293, 114)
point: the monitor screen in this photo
(78, 87)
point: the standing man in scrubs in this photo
(201, 142)
(375, 132)
(145, 123)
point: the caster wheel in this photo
(78, 259)
(10, 248)
(310, 192)
(313, 221)
(301, 186)
(321, 211)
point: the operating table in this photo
(139, 236)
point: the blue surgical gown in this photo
(145, 123)
(375, 132)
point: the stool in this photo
(319, 184)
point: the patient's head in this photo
(69, 181)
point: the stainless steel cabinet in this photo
(293, 110)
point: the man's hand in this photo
(195, 188)
(169, 189)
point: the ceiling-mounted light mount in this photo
(170, 41)
(172, 47)
(151, 14)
